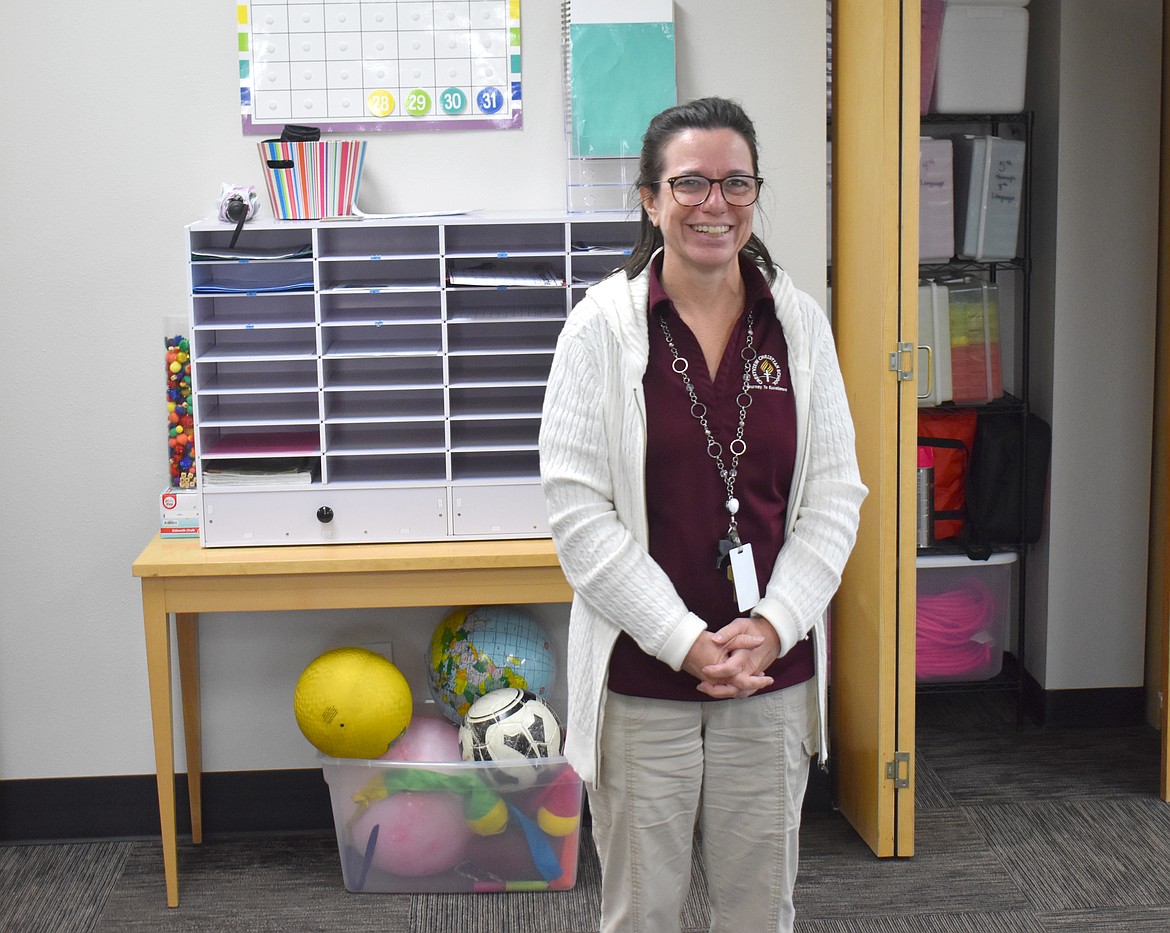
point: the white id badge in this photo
(743, 573)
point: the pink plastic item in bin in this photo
(932, 18)
(962, 616)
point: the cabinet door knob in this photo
(324, 515)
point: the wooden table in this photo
(179, 577)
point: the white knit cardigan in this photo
(592, 463)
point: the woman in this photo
(695, 422)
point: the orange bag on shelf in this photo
(952, 436)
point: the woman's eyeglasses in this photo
(693, 190)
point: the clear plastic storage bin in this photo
(964, 607)
(976, 356)
(982, 59)
(413, 827)
(935, 384)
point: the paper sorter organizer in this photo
(347, 388)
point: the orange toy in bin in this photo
(559, 812)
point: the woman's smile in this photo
(711, 229)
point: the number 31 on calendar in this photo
(489, 100)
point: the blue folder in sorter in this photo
(621, 72)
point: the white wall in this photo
(121, 120)
(1095, 84)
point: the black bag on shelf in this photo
(996, 481)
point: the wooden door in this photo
(1158, 598)
(875, 129)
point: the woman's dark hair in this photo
(707, 113)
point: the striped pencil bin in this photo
(311, 180)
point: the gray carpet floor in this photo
(1017, 830)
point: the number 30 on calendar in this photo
(453, 100)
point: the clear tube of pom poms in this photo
(180, 417)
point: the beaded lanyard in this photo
(714, 449)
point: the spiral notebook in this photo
(619, 72)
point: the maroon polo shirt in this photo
(686, 496)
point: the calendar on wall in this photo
(360, 66)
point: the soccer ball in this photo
(512, 727)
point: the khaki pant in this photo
(741, 767)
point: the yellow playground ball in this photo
(352, 703)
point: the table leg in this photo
(158, 671)
(188, 639)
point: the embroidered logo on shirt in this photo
(765, 373)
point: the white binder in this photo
(936, 200)
(989, 183)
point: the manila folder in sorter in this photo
(621, 72)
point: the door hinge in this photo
(898, 770)
(905, 350)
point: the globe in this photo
(475, 651)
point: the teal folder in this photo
(620, 75)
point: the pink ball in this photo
(426, 739)
(418, 833)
